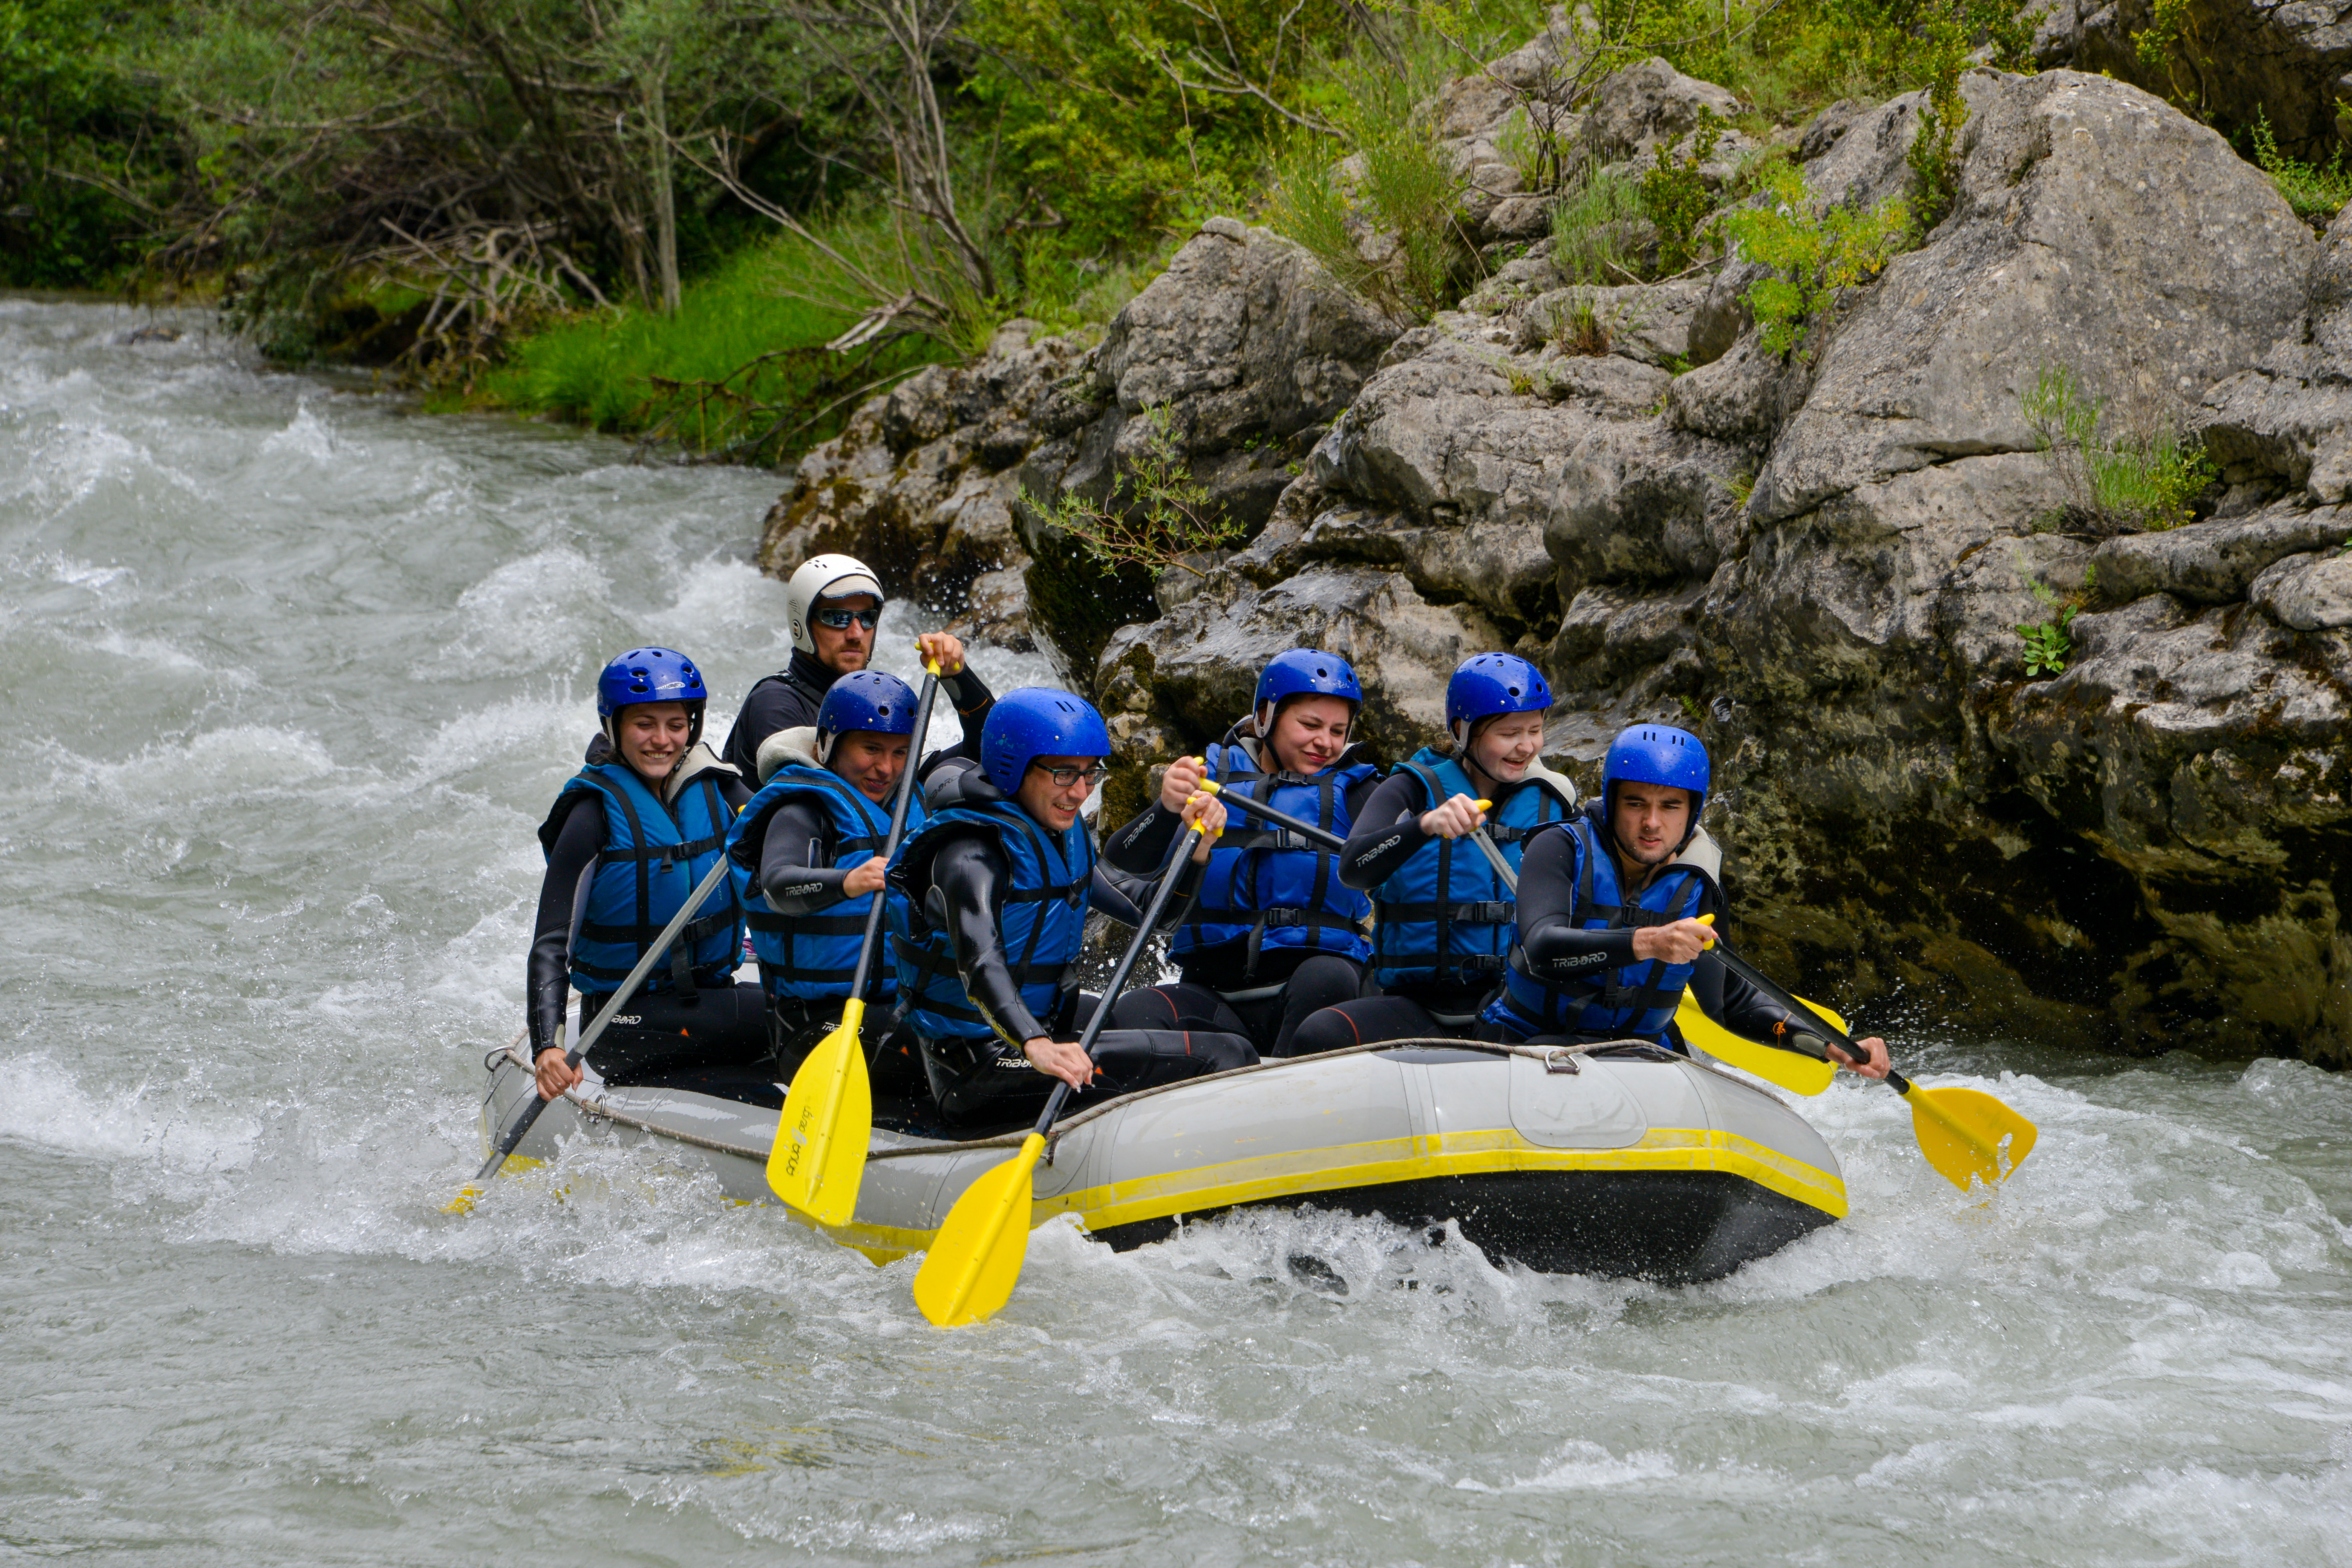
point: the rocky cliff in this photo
(1818, 560)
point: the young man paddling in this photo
(1609, 930)
(831, 606)
(997, 887)
(807, 860)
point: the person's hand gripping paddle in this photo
(818, 1159)
(512, 1137)
(975, 1260)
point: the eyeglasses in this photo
(1064, 777)
(839, 620)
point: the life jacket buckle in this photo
(1283, 918)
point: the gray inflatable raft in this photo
(1621, 1160)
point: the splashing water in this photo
(293, 675)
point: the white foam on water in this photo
(43, 1104)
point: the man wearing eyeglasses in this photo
(832, 604)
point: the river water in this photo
(291, 672)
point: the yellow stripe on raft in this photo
(1383, 1162)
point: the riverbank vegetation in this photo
(715, 223)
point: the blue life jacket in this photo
(1267, 884)
(814, 956)
(1044, 921)
(1444, 917)
(1636, 1002)
(654, 856)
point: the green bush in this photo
(1674, 193)
(1590, 228)
(2143, 479)
(2315, 192)
(1816, 250)
(741, 368)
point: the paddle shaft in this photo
(1171, 873)
(907, 786)
(1306, 830)
(516, 1130)
(1816, 1023)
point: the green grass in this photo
(741, 368)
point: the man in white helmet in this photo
(832, 604)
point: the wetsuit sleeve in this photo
(969, 871)
(972, 700)
(1738, 1005)
(733, 791)
(570, 864)
(1387, 833)
(791, 878)
(1558, 949)
(1142, 843)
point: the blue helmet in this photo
(1305, 672)
(651, 675)
(1037, 721)
(865, 699)
(1656, 754)
(1491, 683)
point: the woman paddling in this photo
(807, 861)
(1446, 921)
(1272, 934)
(997, 887)
(631, 836)
(1609, 928)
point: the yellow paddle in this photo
(1967, 1135)
(818, 1159)
(975, 1260)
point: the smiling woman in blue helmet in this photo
(630, 837)
(1609, 933)
(1446, 921)
(996, 889)
(1272, 933)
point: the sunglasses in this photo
(1064, 777)
(839, 620)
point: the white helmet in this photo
(824, 577)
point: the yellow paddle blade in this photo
(975, 1260)
(464, 1202)
(819, 1156)
(1965, 1134)
(1791, 1070)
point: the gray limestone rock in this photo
(2095, 228)
(2212, 562)
(2306, 593)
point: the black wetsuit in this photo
(1300, 982)
(791, 697)
(798, 877)
(1557, 946)
(1387, 833)
(722, 1026)
(960, 883)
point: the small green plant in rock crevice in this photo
(2049, 642)
(1674, 193)
(1816, 253)
(1935, 165)
(2144, 477)
(2315, 194)
(1158, 514)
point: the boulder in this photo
(2287, 419)
(2239, 60)
(2095, 228)
(2215, 562)
(2306, 593)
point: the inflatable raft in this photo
(1623, 1159)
